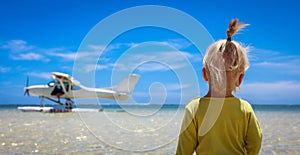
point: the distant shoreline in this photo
(256, 107)
(108, 104)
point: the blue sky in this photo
(39, 37)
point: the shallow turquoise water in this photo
(128, 130)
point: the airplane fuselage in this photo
(65, 86)
(82, 92)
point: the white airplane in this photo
(65, 86)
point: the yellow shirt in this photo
(219, 126)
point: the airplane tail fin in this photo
(128, 84)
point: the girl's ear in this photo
(241, 77)
(204, 75)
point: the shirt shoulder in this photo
(192, 105)
(246, 105)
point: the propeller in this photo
(26, 93)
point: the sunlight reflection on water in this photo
(30, 133)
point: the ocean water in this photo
(128, 130)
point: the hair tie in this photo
(229, 39)
(233, 27)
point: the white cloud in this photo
(154, 61)
(274, 60)
(92, 52)
(149, 67)
(272, 87)
(289, 65)
(43, 75)
(97, 50)
(91, 67)
(20, 50)
(120, 45)
(17, 46)
(176, 86)
(63, 56)
(259, 55)
(177, 43)
(272, 92)
(161, 60)
(29, 56)
(4, 69)
(196, 57)
(96, 47)
(152, 67)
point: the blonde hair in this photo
(225, 56)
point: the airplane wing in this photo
(62, 76)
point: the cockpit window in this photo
(74, 87)
(51, 84)
(66, 85)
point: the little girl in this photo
(220, 123)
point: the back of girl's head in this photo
(225, 56)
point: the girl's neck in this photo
(219, 94)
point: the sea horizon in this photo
(139, 104)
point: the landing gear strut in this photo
(42, 102)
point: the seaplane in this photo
(64, 86)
